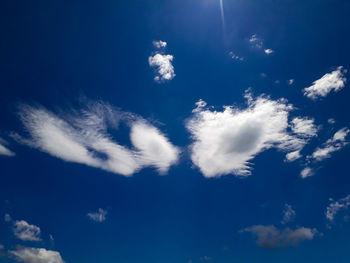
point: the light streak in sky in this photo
(222, 15)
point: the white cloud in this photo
(159, 44)
(271, 237)
(225, 142)
(98, 216)
(336, 143)
(304, 127)
(7, 218)
(26, 232)
(330, 81)
(292, 156)
(306, 172)
(255, 41)
(36, 255)
(83, 138)
(290, 81)
(4, 150)
(331, 121)
(235, 57)
(288, 214)
(268, 51)
(335, 206)
(163, 65)
(154, 149)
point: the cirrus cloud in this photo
(98, 216)
(83, 137)
(4, 150)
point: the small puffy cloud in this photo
(336, 143)
(331, 81)
(83, 137)
(290, 81)
(159, 44)
(255, 41)
(7, 218)
(36, 255)
(98, 216)
(235, 57)
(26, 232)
(271, 237)
(288, 214)
(226, 141)
(304, 127)
(268, 51)
(335, 206)
(292, 156)
(163, 66)
(4, 150)
(306, 172)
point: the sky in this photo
(174, 131)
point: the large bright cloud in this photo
(83, 137)
(331, 81)
(271, 237)
(226, 141)
(36, 255)
(26, 232)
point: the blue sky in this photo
(169, 131)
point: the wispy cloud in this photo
(304, 127)
(26, 232)
(7, 218)
(256, 41)
(235, 57)
(288, 214)
(226, 141)
(99, 216)
(159, 44)
(333, 81)
(335, 206)
(336, 143)
(4, 150)
(36, 255)
(82, 137)
(271, 237)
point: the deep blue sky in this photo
(56, 52)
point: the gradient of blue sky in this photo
(64, 53)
